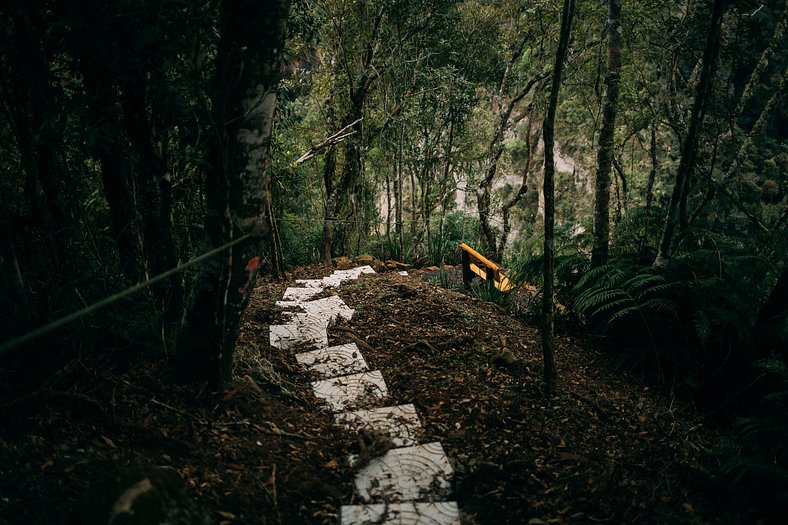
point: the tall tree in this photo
(689, 144)
(548, 133)
(607, 129)
(238, 195)
(504, 111)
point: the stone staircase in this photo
(407, 484)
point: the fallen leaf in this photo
(230, 394)
(331, 464)
(107, 441)
(459, 379)
(48, 463)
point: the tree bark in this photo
(652, 177)
(238, 194)
(398, 227)
(495, 149)
(548, 293)
(530, 149)
(153, 191)
(690, 140)
(607, 130)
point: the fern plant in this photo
(628, 299)
(613, 293)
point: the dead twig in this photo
(176, 410)
(332, 140)
(356, 339)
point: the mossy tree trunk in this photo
(690, 140)
(238, 195)
(605, 153)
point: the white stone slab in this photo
(300, 294)
(287, 336)
(332, 308)
(400, 423)
(421, 472)
(288, 304)
(340, 276)
(353, 391)
(437, 513)
(310, 283)
(334, 361)
(307, 319)
(365, 269)
(332, 281)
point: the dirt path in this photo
(607, 449)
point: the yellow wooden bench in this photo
(474, 263)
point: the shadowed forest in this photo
(168, 167)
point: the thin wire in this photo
(8, 345)
(351, 221)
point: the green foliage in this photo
(757, 460)
(486, 291)
(571, 261)
(300, 240)
(693, 322)
(610, 293)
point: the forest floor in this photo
(606, 449)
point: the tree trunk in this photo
(690, 141)
(652, 177)
(238, 195)
(39, 128)
(153, 190)
(548, 313)
(398, 195)
(329, 216)
(607, 130)
(115, 173)
(495, 150)
(530, 147)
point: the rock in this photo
(364, 259)
(506, 359)
(138, 495)
(343, 263)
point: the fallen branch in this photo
(356, 339)
(333, 140)
(176, 410)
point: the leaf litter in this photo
(606, 449)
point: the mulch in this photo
(606, 449)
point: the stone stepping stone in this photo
(400, 423)
(421, 472)
(310, 283)
(308, 320)
(289, 336)
(340, 276)
(332, 308)
(437, 513)
(334, 361)
(353, 391)
(300, 294)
